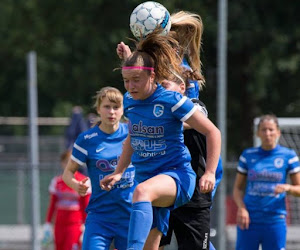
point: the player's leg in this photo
(72, 236)
(121, 235)
(274, 237)
(248, 239)
(166, 239)
(97, 236)
(159, 190)
(153, 240)
(192, 227)
(59, 236)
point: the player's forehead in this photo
(133, 73)
(268, 124)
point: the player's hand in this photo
(242, 218)
(109, 180)
(281, 188)
(123, 51)
(207, 182)
(83, 186)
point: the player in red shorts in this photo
(67, 210)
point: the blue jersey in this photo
(100, 152)
(156, 131)
(192, 90)
(266, 169)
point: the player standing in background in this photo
(155, 142)
(261, 215)
(99, 150)
(68, 209)
(77, 125)
(191, 222)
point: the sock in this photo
(211, 246)
(141, 220)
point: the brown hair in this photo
(268, 117)
(112, 94)
(156, 51)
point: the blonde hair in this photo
(111, 93)
(158, 52)
(187, 29)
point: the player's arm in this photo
(108, 181)
(243, 218)
(51, 208)
(203, 125)
(202, 108)
(292, 189)
(81, 187)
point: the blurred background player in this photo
(77, 125)
(261, 215)
(191, 222)
(66, 211)
(99, 149)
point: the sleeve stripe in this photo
(189, 114)
(294, 170)
(242, 170)
(78, 161)
(179, 104)
(293, 160)
(82, 150)
(243, 159)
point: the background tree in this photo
(75, 42)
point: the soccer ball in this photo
(147, 16)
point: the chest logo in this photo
(158, 110)
(278, 162)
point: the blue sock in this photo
(211, 246)
(141, 220)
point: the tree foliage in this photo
(75, 42)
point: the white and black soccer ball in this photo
(147, 16)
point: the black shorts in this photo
(191, 227)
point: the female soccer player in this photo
(68, 209)
(261, 215)
(99, 148)
(155, 141)
(191, 222)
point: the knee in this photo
(140, 193)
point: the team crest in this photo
(158, 110)
(278, 162)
